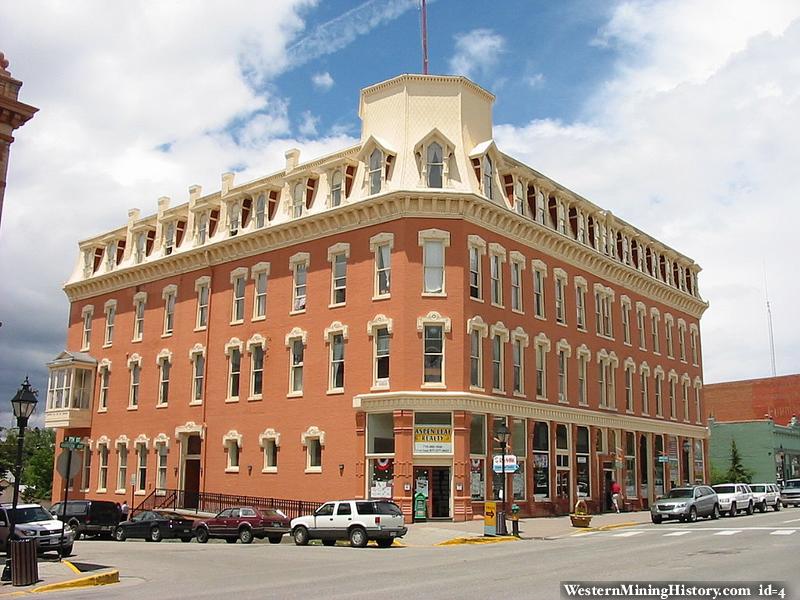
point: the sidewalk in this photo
(61, 575)
(434, 533)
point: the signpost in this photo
(511, 465)
(67, 470)
(490, 518)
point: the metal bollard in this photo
(24, 566)
(515, 526)
(501, 523)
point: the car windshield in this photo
(725, 489)
(32, 514)
(680, 493)
(758, 488)
(793, 484)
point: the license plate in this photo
(392, 534)
(276, 524)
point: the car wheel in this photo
(65, 551)
(230, 540)
(275, 539)
(358, 537)
(385, 542)
(202, 535)
(328, 542)
(75, 527)
(155, 534)
(246, 535)
(715, 512)
(762, 507)
(777, 506)
(733, 512)
(749, 509)
(656, 519)
(692, 515)
(300, 535)
(119, 534)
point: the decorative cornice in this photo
(472, 208)
(540, 411)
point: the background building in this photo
(360, 325)
(771, 397)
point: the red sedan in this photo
(244, 523)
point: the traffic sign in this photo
(72, 442)
(510, 465)
(663, 459)
(67, 468)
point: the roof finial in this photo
(3, 63)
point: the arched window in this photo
(375, 163)
(519, 191)
(435, 165)
(202, 229)
(336, 189)
(298, 200)
(169, 239)
(261, 210)
(488, 175)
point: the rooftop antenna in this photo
(424, 18)
(769, 323)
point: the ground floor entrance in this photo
(434, 484)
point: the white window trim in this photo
(169, 290)
(516, 258)
(269, 435)
(541, 340)
(563, 345)
(625, 319)
(584, 355)
(122, 442)
(165, 354)
(138, 298)
(630, 366)
(434, 235)
(312, 433)
(233, 343)
(434, 318)
(228, 440)
(257, 270)
(108, 307)
(499, 252)
(256, 340)
(195, 350)
(295, 334)
(103, 442)
(238, 274)
(477, 323)
(375, 243)
(199, 283)
(86, 340)
(300, 258)
(539, 266)
(560, 277)
(342, 248)
(499, 329)
(333, 329)
(581, 285)
(379, 321)
(135, 359)
(521, 336)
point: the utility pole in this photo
(424, 38)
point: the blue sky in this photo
(679, 116)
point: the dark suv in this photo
(91, 517)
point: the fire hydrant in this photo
(515, 520)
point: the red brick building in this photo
(360, 324)
(777, 398)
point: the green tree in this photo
(38, 455)
(737, 472)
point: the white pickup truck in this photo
(356, 520)
(735, 497)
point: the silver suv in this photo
(33, 521)
(356, 520)
(766, 495)
(735, 497)
(686, 504)
(790, 494)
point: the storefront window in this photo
(643, 462)
(477, 464)
(562, 462)
(381, 481)
(541, 460)
(630, 465)
(686, 447)
(497, 450)
(380, 433)
(518, 442)
(658, 466)
(380, 441)
(699, 475)
(583, 464)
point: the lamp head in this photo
(24, 401)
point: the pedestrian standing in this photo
(616, 495)
(124, 510)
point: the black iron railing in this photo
(209, 502)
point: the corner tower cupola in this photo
(409, 110)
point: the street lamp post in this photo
(501, 434)
(23, 403)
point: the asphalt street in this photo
(762, 547)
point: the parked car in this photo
(91, 517)
(766, 495)
(34, 521)
(790, 494)
(154, 526)
(244, 523)
(734, 497)
(356, 520)
(686, 504)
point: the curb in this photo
(608, 527)
(104, 578)
(478, 540)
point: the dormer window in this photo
(202, 228)
(488, 174)
(519, 195)
(435, 165)
(169, 239)
(111, 255)
(141, 244)
(298, 200)
(336, 188)
(261, 211)
(375, 163)
(234, 218)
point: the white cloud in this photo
(322, 81)
(535, 81)
(308, 124)
(476, 52)
(693, 139)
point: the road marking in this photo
(729, 532)
(783, 532)
(676, 533)
(584, 533)
(792, 521)
(628, 534)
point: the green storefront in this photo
(770, 451)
